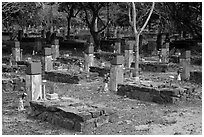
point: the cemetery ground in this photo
(135, 117)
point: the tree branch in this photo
(130, 18)
(76, 13)
(134, 18)
(103, 25)
(147, 18)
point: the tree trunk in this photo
(96, 24)
(95, 34)
(68, 27)
(96, 40)
(137, 37)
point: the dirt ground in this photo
(135, 117)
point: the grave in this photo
(65, 77)
(14, 68)
(47, 64)
(185, 63)
(89, 58)
(16, 52)
(129, 54)
(33, 81)
(157, 66)
(152, 47)
(154, 92)
(55, 49)
(118, 45)
(116, 72)
(73, 114)
(196, 76)
(38, 44)
(165, 53)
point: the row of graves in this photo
(78, 115)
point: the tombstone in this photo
(48, 36)
(89, 57)
(165, 53)
(38, 44)
(20, 35)
(33, 81)
(118, 45)
(55, 49)
(116, 72)
(152, 45)
(43, 33)
(185, 63)
(186, 55)
(21, 54)
(129, 53)
(16, 52)
(47, 64)
(44, 89)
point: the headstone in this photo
(44, 89)
(185, 63)
(89, 58)
(129, 54)
(43, 33)
(116, 72)
(118, 46)
(165, 53)
(47, 60)
(21, 56)
(38, 44)
(55, 49)
(33, 81)
(186, 55)
(16, 51)
(20, 35)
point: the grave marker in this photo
(165, 53)
(129, 54)
(89, 57)
(44, 89)
(47, 60)
(55, 49)
(33, 81)
(16, 52)
(116, 72)
(118, 45)
(185, 63)
(152, 45)
(38, 44)
(21, 56)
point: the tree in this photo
(20, 12)
(71, 9)
(135, 22)
(187, 16)
(176, 17)
(91, 15)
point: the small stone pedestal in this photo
(118, 46)
(21, 52)
(116, 72)
(44, 89)
(186, 55)
(34, 81)
(38, 44)
(185, 63)
(128, 55)
(47, 60)
(89, 58)
(165, 53)
(55, 49)
(16, 52)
